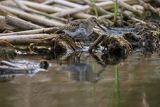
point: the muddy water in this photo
(135, 82)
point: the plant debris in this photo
(45, 27)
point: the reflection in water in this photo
(108, 59)
(111, 60)
(144, 100)
(10, 69)
(83, 72)
(135, 83)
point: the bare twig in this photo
(96, 42)
(20, 23)
(127, 6)
(43, 30)
(25, 8)
(105, 5)
(149, 7)
(63, 2)
(50, 9)
(32, 18)
(25, 39)
(2, 23)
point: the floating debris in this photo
(12, 69)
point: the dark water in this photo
(135, 82)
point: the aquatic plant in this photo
(115, 11)
(117, 86)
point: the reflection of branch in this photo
(98, 60)
(72, 57)
(144, 100)
(9, 64)
(8, 70)
(98, 75)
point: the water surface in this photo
(87, 83)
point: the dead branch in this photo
(43, 30)
(25, 39)
(20, 23)
(32, 18)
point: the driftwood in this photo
(105, 5)
(20, 23)
(43, 30)
(2, 23)
(71, 5)
(130, 8)
(24, 39)
(27, 9)
(50, 9)
(63, 2)
(32, 18)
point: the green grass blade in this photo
(116, 11)
(117, 86)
